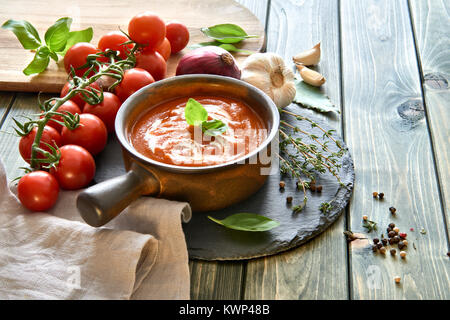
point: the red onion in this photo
(209, 60)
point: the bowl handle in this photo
(102, 202)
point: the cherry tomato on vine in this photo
(106, 110)
(114, 40)
(76, 57)
(178, 36)
(133, 80)
(164, 49)
(38, 191)
(148, 29)
(67, 107)
(50, 136)
(153, 62)
(75, 169)
(90, 134)
(78, 98)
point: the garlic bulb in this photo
(268, 72)
(309, 57)
(310, 76)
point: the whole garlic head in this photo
(268, 72)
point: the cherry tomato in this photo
(75, 169)
(50, 136)
(106, 110)
(76, 57)
(133, 80)
(114, 40)
(178, 36)
(153, 62)
(78, 98)
(66, 107)
(91, 134)
(164, 49)
(38, 191)
(148, 29)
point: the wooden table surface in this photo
(387, 65)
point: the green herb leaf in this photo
(313, 98)
(226, 33)
(247, 222)
(204, 44)
(25, 33)
(195, 113)
(40, 61)
(232, 48)
(77, 36)
(56, 36)
(214, 127)
(54, 56)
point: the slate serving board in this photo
(207, 240)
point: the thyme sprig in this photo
(300, 158)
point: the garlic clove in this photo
(309, 57)
(310, 76)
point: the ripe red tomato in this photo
(66, 107)
(76, 57)
(78, 99)
(148, 29)
(106, 110)
(178, 36)
(164, 49)
(153, 62)
(50, 136)
(114, 40)
(38, 191)
(76, 167)
(133, 80)
(91, 134)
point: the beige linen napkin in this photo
(140, 255)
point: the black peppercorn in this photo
(393, 252)
(374, 248)
(391, 240)
(391, 234)
(396, 239)
(376, 240)
(289, 199)
(384, 241)
(392, 210)
(379, 245)
(401, 245)
(381, 195)
(319, 189)
(313, 188)
(392, 225)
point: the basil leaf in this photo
(40, 61)
(56, 36)
(313, 98)
(77, 36)
(195, 113)
(54, 56)
(25, 33)
(204, 44)
(247, 222)
(231, 48)
(226, 33)
(213, 127)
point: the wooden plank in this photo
(194, 13)
(388, 137)
(6, 99)
(222, 280)
(317, 269)
(431, 22)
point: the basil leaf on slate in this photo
(226, 33)
(195, 113)
(25, 33)
(40, 61)
(313, 98)
(213, 127)
(56, 36)
(77, 36)
(247, 222)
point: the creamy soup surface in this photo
(163, 134)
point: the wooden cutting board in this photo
(104, 16)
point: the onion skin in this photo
(209, 60)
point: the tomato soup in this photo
(163, 134)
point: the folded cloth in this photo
(141, 254)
